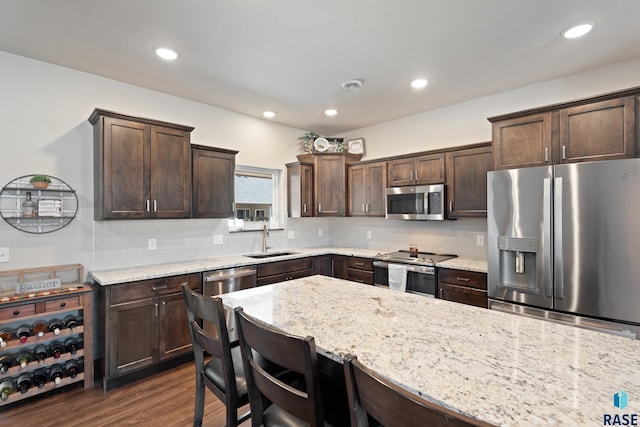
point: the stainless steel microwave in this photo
(418, 202)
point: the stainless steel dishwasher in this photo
(218, 282)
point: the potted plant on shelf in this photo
(40, 182)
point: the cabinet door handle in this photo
(564, 152)
(163, 305)
(304, 207)
(417, 175)
(546, 155)
(450, 205)
(155, 206)
(63, 304)
(319, 207)
(463, 279)
(367, 206)
(411, 175)
(155, 309)
(147, 205)
(16, 312)
(364, 209)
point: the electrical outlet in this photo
(368, 234)
(217, 239)
(152, 244)
(291, 234)
(480, 240)
(319, 232)
(5, 256)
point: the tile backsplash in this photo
(126, 243)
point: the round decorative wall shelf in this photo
(53, 207)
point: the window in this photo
(258, 199)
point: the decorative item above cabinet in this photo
(142, 167)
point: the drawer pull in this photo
(63, 304)
(157, 288)
(462, 279)
(359, 264)
(16, 312)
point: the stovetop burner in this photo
(426, 258)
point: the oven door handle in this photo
(421, 269)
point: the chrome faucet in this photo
(265, 234)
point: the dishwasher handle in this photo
(224, 275)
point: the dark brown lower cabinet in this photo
(360, 270)
(466, 287)
(280, 271)
(145, 323)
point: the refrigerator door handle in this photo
(557, 219)
(546, 236)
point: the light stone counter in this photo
(500, 368)
(468, 264)
(132, 274)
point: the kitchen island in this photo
(499, 368)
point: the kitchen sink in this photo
(270, 254)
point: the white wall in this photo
(44, 113)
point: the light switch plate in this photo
(291, 234)
(217, 239)
(480, 240)
(319, 232)
(152, 244)
(369, 234)
(5, 255)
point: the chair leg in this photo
(199, 410)
(232, 416)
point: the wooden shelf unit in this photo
(16, 309)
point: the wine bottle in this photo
(6, 361)
(23, 359)
(23, 333)
(55, 326)
(56, 373)
(5, 336)
(24, 382)
(72, 368)
(6, 388)
(71, 322)
(41, 353)
(56, 349)
(71, 345)
(40, 328)
(40, 377)
(28, 207)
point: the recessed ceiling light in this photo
(166, 53)
(331, 112)
(269, 114)
(419, 83)
(578, 30)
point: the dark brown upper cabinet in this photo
(299, 189)
(425, 169)
(467, 181)
(367, 184)
(598, 128)
(142, 167)
(213, 181)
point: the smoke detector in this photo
(351, 85)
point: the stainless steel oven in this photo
(421, 272)
(420, 279)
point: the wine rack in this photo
(49, 293)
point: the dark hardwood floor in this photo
(166, 399)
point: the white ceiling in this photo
(291, 56)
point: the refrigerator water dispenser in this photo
(518, 263)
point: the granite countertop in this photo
(496, 367)
(144, 272)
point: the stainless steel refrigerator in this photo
(564, 243)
